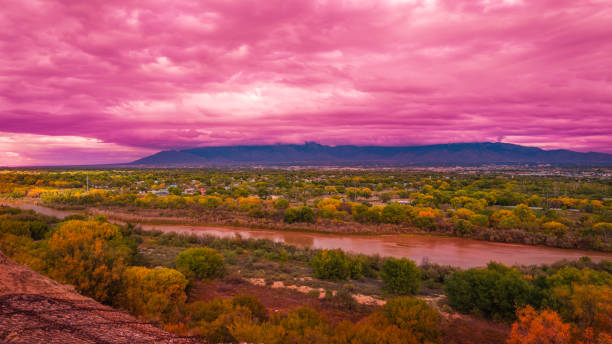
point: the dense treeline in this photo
(553, 211)
(568, 302)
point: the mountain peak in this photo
(313, 153)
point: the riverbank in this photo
(232, 219)
(445, 250)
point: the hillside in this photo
(316, 154)
(36, 309)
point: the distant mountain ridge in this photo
(311, 153)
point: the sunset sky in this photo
(112, 81)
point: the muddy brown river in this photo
(458, 252)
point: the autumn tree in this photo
(153, 293)
(393, 213)
(401, 320)
(539, 327)
(89, 255)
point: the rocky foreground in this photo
(36, 309)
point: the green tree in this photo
(401, 276)
(334, 265)
(494, 291)
(299, 214)
(200, 263)
(281, 203)
(393, 213)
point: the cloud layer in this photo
(129, 77)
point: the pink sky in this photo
(114, 80)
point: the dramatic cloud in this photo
(112, 80)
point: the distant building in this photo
(161, 192)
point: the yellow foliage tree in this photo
(153, 293)
(89, 255)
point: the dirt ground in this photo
(456, 328)
(470, 330)
(275, 299)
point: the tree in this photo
(153, 293)
(603, 228)
(200, 263)
(554, 227)
(91, 256)
(335, 265)
(505, 219)
(401, 276)
(414, 316)
(479, 220)
(401, 320)
(281, 203)
(524, 213)
(299, 214)
(393, 213)
(463, 227)
(258, 310)
(385, 197)
(543, 327)
(494, 291)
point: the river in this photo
(464, 253)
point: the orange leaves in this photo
(543, 327)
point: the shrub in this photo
(463, 227)
(401, 276)
(393, 213)
(281, 204)
(91, 256)
(414, 316)
(344, 300)
(153, 293)
(304, 325)
(479, 220)
(201, 263)
(494, 291)
(554, 227)
(539, 327)
(603, 228)
(299, 214)
(335, 265)
(258, 310)
(401, 320)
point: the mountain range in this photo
(310, 153)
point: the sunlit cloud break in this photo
(128, 78)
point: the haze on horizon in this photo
(112, 81)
